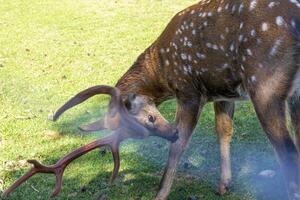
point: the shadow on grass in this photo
(142, 164)
(141, 174)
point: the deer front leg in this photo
(186, 119)
(271, 113)
(223, 119)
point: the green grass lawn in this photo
(50, 50)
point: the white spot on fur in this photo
(253, 79)
(233, 9)
(264, 26)
(201, 56)
(272, 4)
(175, 46)
(215, 47)
(185, 69)
(227, 30)
(226, 6)
(183, 56)
(167, 62)
(220, 9)
(232, 47)
(242, 68)
(241, 37)
(225, 65)
(296, 3)
(241, 25)
(258, 41)
(190, 68)
(280, 21)
(249, 52)
(253, 4)
(222, 48)
(275, 47)
(241, 7)
(293, 23)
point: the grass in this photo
(50, 50)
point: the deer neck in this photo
(146, 77)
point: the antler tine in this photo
(88, 93)
(116, 157)
(58, 169)
(26, 176)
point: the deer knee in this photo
(224, 127)
(178, 147)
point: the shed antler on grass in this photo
(117, 119)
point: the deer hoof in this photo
(223, 188)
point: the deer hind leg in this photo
(294, 109)
(269, 103)
(223, 119)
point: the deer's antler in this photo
(58, 168)
(86, 94)
(118, 119)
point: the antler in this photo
(125, 127)
(58, 169)
(85, 94)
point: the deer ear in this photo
(129, 100)
(131, 96)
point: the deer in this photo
(219, 51)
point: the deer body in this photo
(223, 51)
(214, 51)
(216, 48)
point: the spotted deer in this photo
(220, 51)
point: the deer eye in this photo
(151, 118)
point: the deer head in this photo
(125, 122)
(141, 108)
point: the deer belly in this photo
(238, 94)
